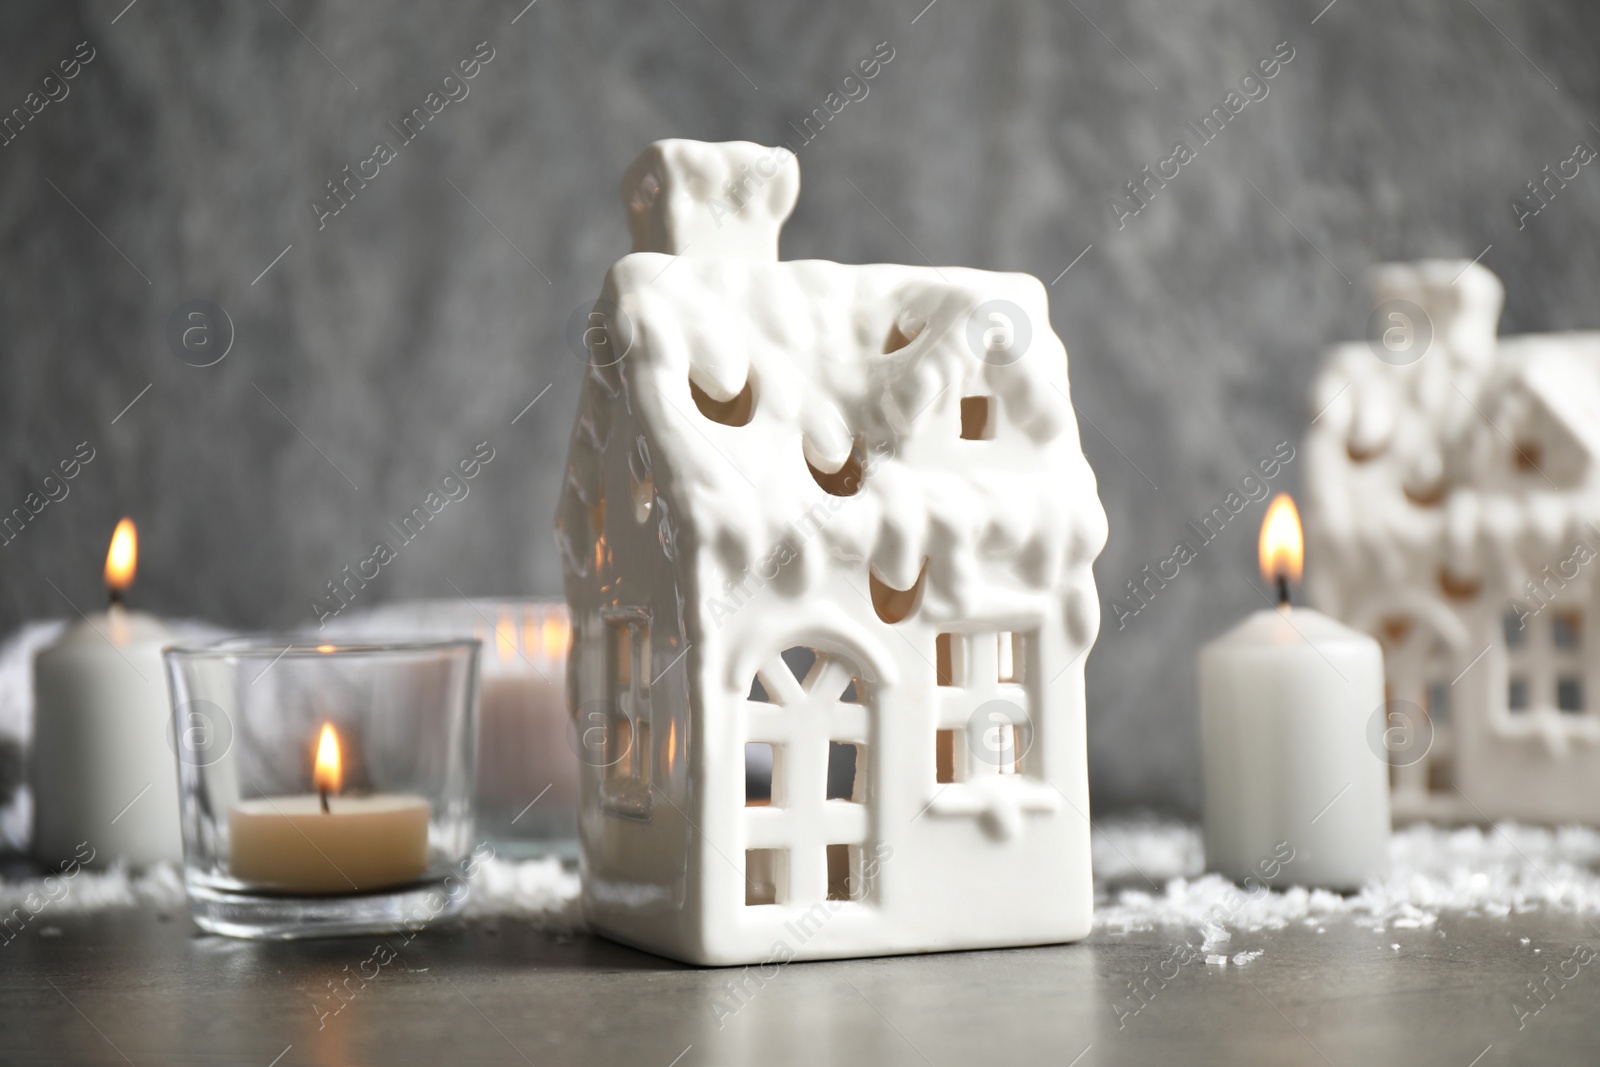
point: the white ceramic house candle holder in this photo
(827, 533)
(1454, 499)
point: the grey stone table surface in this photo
(143, 987)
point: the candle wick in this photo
(1283, 590)
(113, 595)
(323, 793)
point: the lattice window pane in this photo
(1439, 702)
(1012, 667)
(949, 756)
(847, 771)
(760, 766)
(844, 872)
(1566, 629)
(1516, 633)
(766, 875)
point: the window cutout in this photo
(622, 641)
(843, 881)
(1006, 743)
(799, 659)
(758, 692)
(1456, 587)
(1529, 454)
(765, 871)
(597, 530)
(848, 479)
(1396, 628)
(946, 649)
(891, 604)
(643, 482)
(1427, 496)
(945, 756)
(1566, 628)
(1010, 657)
(1441, 775)
(1517, 695)
(1359, 454)
(846, 771)
(759, 774)
(1439, 703)
(977, 418)
(735, 412)
(898, 339)
(619, 747)
(627, 740)
(1569, 694)
(644, 498)
(1516, 634)
(852, 693)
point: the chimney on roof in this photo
(1460, 304)
(692, 198)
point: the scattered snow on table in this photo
(160, 887)
(1153, 880)
(538, 890)
(541, 891)
(1491, 872)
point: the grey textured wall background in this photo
(380, 349)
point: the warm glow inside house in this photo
(827, 533)
(1454, 513)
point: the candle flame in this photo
(329, 772)
(123, 557)
(1283, 546)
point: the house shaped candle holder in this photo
(827, 534)
(1454, 508)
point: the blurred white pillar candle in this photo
(325, 843)
(524, 751)
(103, 771)
(1293, 792)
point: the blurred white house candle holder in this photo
(527, 760)
(1295, 791)
(1454, 487)
(103, 771)
(325, 788)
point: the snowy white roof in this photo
(1467, 469)
(808, 340)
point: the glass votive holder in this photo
(325, 789)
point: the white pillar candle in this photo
(325, 843)
(1294, 793)
(103, 771)
(524, 751)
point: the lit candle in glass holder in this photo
(326, 843)
(326, 789)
